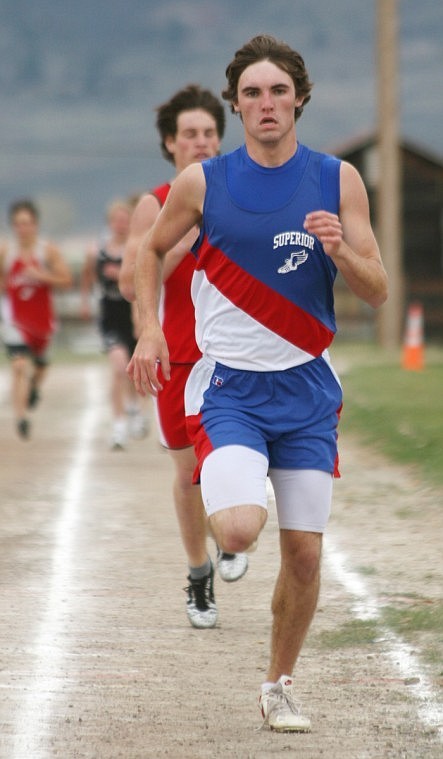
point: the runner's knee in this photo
(306, 567)
(185, 463)
(235, 529)
(301, 555)
(20, 365)
(119, 358)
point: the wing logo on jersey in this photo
(296, 259)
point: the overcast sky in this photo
(79, 83)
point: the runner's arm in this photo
(55, 272)
(142, 220)
(174, 257)
(88, 277)
(59, 269)
(349, 240)
(182, 211)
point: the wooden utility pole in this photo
(389, 212)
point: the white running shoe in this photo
(231, 566)
(200, 606)
(138, 425)
(280, 710)
(119, 435)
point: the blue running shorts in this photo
(289, 416)
(247, 424)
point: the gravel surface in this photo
(97, 659)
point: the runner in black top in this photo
(102, 266)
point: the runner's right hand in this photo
(150, 352)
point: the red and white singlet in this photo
(28, 313)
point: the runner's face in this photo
(119, 223)
(196, 138)
(266, 100)
(25, 227)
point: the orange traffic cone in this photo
(413, 348)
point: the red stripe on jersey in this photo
(264, 304)
(336, 472)
(202, 444)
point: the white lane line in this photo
(32, 723)
(401, 654)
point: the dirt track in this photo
(97, 659)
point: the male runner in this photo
(277, 221)
(190, 125)
(30, 269)
(102, 265)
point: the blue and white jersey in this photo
(263, 286)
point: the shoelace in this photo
(281, 701)
(201, 589)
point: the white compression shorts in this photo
(235, 475)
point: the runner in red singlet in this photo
(190, 126)
(29, 270)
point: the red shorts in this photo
(170, 408)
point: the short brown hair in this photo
(118, 205)
(261, 48)
(24, 204)
(188, 99)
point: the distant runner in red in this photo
(29, 270)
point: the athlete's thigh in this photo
(185, 463)
(169, 408)
(234, 475)
(41, 360)
(221, 407)
(17, 351)
(311, 398)
(118, 357)
(20, 357)
(303, 498)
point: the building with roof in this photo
(422, 228)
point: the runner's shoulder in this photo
(4, 256)
(190, 185)
(145, 213)
(51, 250)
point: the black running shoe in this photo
(200, 606)
(24, 429)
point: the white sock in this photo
(268, 685)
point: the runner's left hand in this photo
(327, 228)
